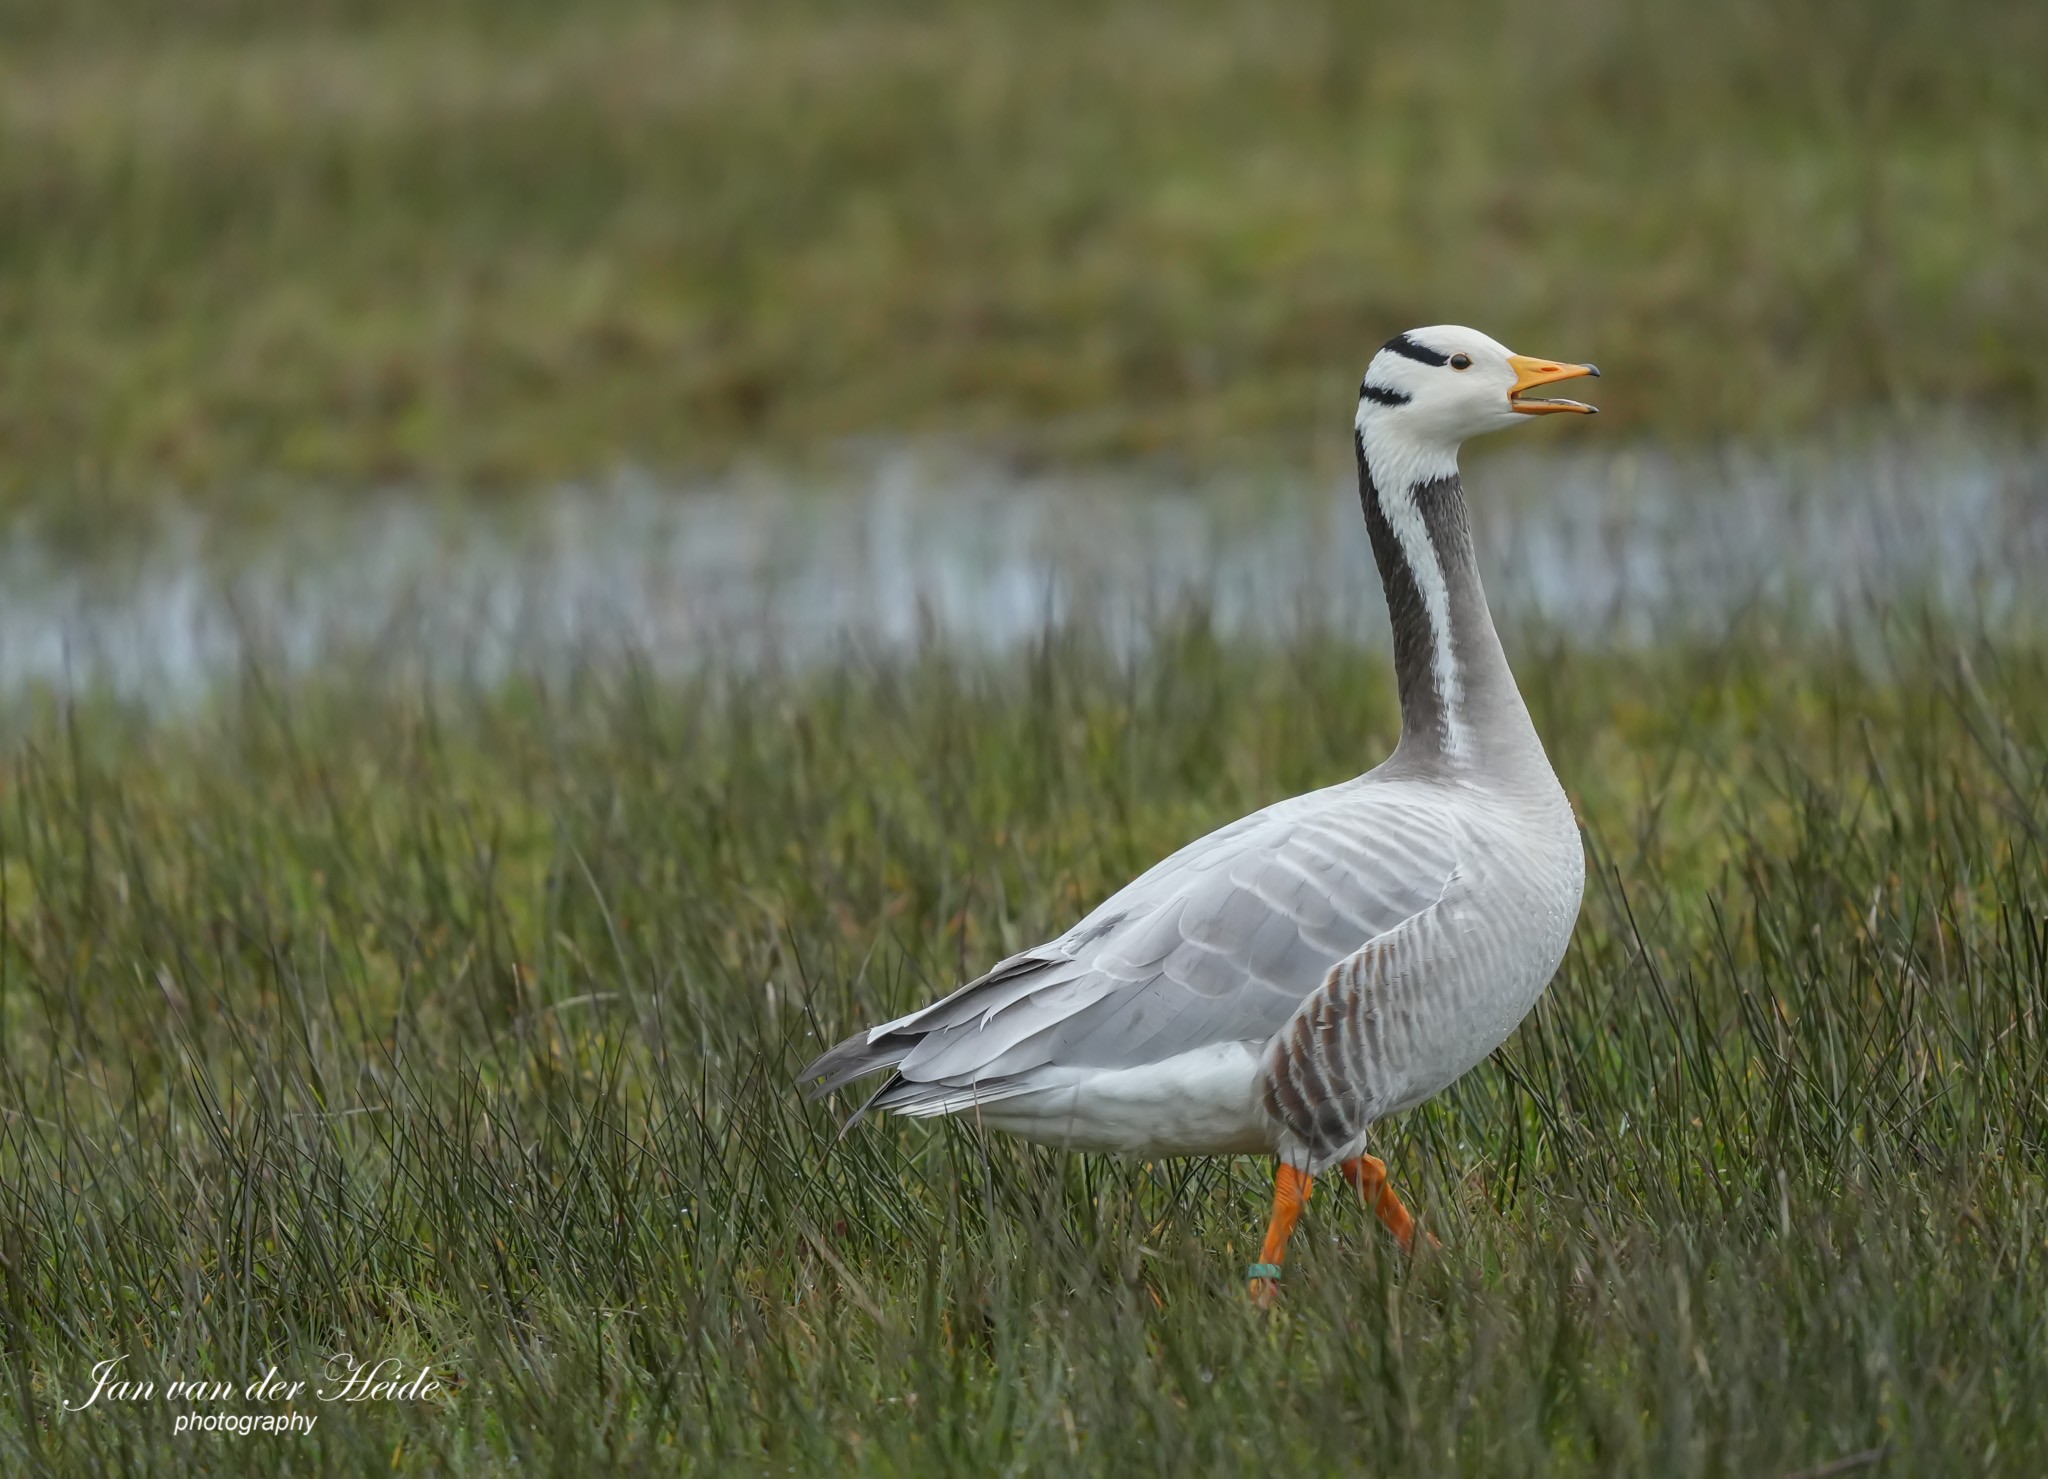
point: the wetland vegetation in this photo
(367, 998)
(460, 1026)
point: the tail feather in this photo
(1010, 983)
(852, 1059)
(857, 1058)
(924, 1101)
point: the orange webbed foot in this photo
(1369, 1175)
(1290, 1195)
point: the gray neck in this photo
(1460, 709)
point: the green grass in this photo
(463, 1030)
(486, 245)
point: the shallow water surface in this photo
(1615, 547)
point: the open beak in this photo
(1530, 373)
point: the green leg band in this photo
(1263, 1271)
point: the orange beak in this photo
(1530, 373)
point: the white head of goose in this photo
(1282, 984)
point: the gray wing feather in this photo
(1221, 942)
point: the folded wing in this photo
(1220, 942)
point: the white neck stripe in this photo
(1398, 466)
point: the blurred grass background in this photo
(493, 243)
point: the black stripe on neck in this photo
(1423, 721)
(1379, 395)
(1407, 348)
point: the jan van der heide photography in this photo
(877, 737)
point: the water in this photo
(1599, 548)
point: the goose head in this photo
(1431, 388)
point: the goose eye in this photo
(1461, 361)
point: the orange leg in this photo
(1369, 1174)
(1290, 1195)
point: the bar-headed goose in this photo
(1283, 983)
